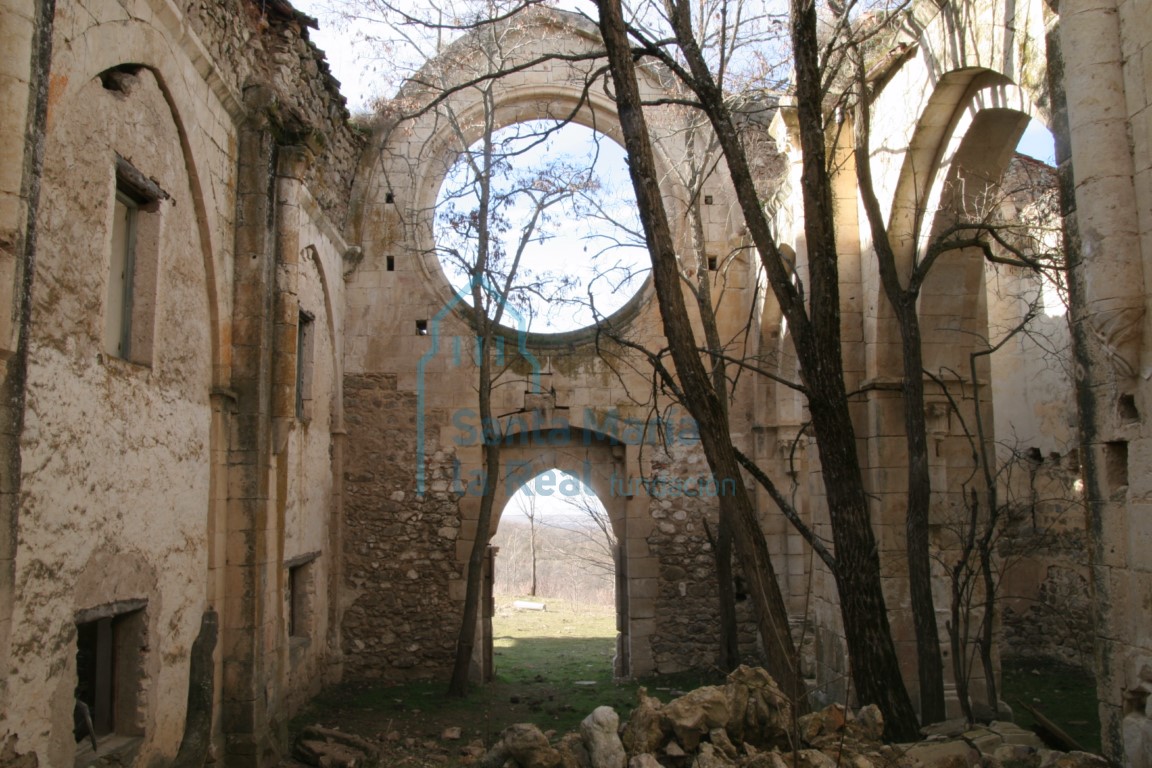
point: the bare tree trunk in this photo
(875, 667)
(466, 640)
(987, 634)
(532, 545)
(726, 593)
(930, 662)
(726, 580)
(816, 340)
(700, 397)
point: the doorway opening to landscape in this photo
(556, 590)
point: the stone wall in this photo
(265, 44)
(1104, 152)
(96, 534)
(400, 287)
(400, 553)
(1045, 591)
(687, 602)
(131, 484)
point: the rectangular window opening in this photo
(301, 595)
(305, 342)
(130, 310)
(1116, 466)
(391, 263)
(712, 263)
(109, 673)
(421, 327)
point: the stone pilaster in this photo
(248, 551)
(23, 113)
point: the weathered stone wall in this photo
(400, 553)
(263, 45)
(309, 465)
(400, 283)
(128, 496)
(95, 532)
(688, 635)
(1104, 152)
(1045, 591)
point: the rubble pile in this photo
(748, 723)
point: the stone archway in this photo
(597, 461)
(953, 94)
(411, 403)
(952, 152)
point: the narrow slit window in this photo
(305, 342)
(299, 598)
(133, 266)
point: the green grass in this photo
(552, 668)
(1062, 693)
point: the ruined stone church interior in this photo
(239, 410)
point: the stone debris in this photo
(745, 723)
(600, 731)
(329, 748)
(644, 760)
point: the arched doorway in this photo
(557, 599)
(585, 465)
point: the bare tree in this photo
(594, 542)
(812, 316)
(699, 56)
(526, 505)
(695, 381)
(486, 229)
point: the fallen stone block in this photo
(329, 748)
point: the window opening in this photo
(562, 250)
(130, 311)
(301, 587)
(109, 645)
(305, 342)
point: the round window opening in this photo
(541, 220)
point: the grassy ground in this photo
(552, 668)
(1062, 693)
